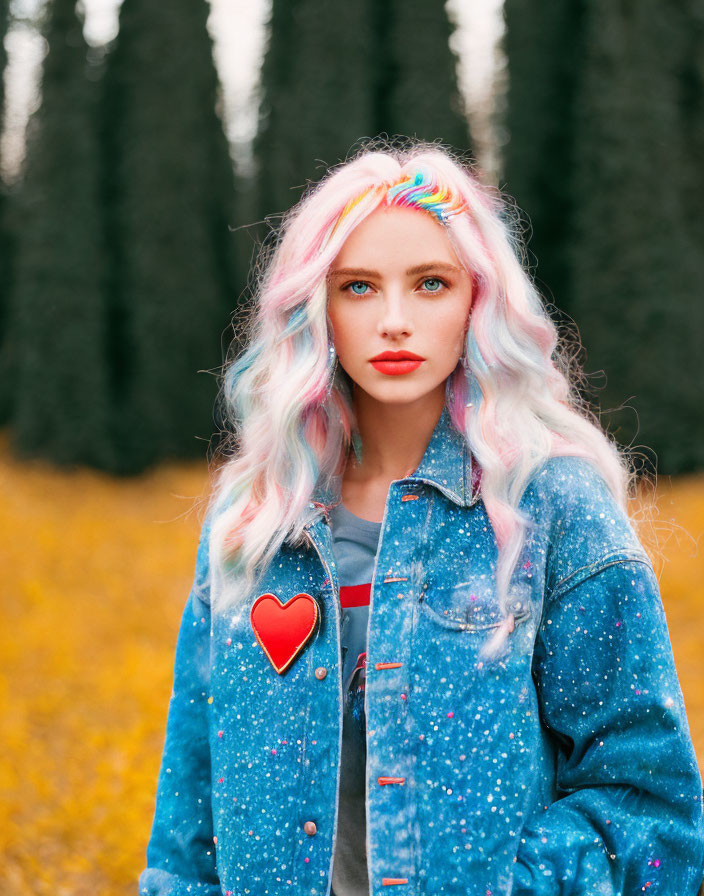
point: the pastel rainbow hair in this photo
(292, 419)
(420, 190)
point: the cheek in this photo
(450, 335)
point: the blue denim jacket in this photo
(564, 767)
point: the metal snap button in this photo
(321, 672)
(310, 828)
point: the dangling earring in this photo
(357, 446)
(332, 367)
(463, 358)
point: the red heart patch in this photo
(283, 630)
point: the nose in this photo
(394, 317)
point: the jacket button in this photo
(320, 674)
(310, 828)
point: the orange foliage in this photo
(96, 572)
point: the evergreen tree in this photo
(417, 92)
(168, 192)
(636, 250)
(335, 72)
(544, 46)
(606, 137)
(6, 242)
(53, 356)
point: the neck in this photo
(394, 436)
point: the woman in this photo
(424, 651)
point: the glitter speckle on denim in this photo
(565, 766)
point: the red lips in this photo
(396, 363)
(397, 356)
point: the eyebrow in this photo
(418, 269)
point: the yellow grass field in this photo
(95, 572)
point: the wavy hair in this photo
(290, 410)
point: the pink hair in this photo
(514, 403)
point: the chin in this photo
(401, 393)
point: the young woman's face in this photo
(397, 286)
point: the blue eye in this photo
(436, 280)
(358, 283)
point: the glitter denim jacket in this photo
(566, 766)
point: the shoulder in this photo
(571, 489)
(584, 527)
(568, 478)
(201, 576)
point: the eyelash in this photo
(346, 287)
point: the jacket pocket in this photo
(468, 606)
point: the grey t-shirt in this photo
(355, 543)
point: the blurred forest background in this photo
(147, 150)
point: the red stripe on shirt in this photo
(355, 595)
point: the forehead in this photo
(393, 236)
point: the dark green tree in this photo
(606, 138)
(168, 193)
(544, 45)
(336, 72)
(6, 241)
(53, 356)
(636, 252)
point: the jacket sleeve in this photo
(181, 851)
(628, 818)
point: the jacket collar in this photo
(446, 464)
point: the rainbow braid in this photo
(415, 191)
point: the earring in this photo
(332, 367)
(357, 446)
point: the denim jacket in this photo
(565, 766)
